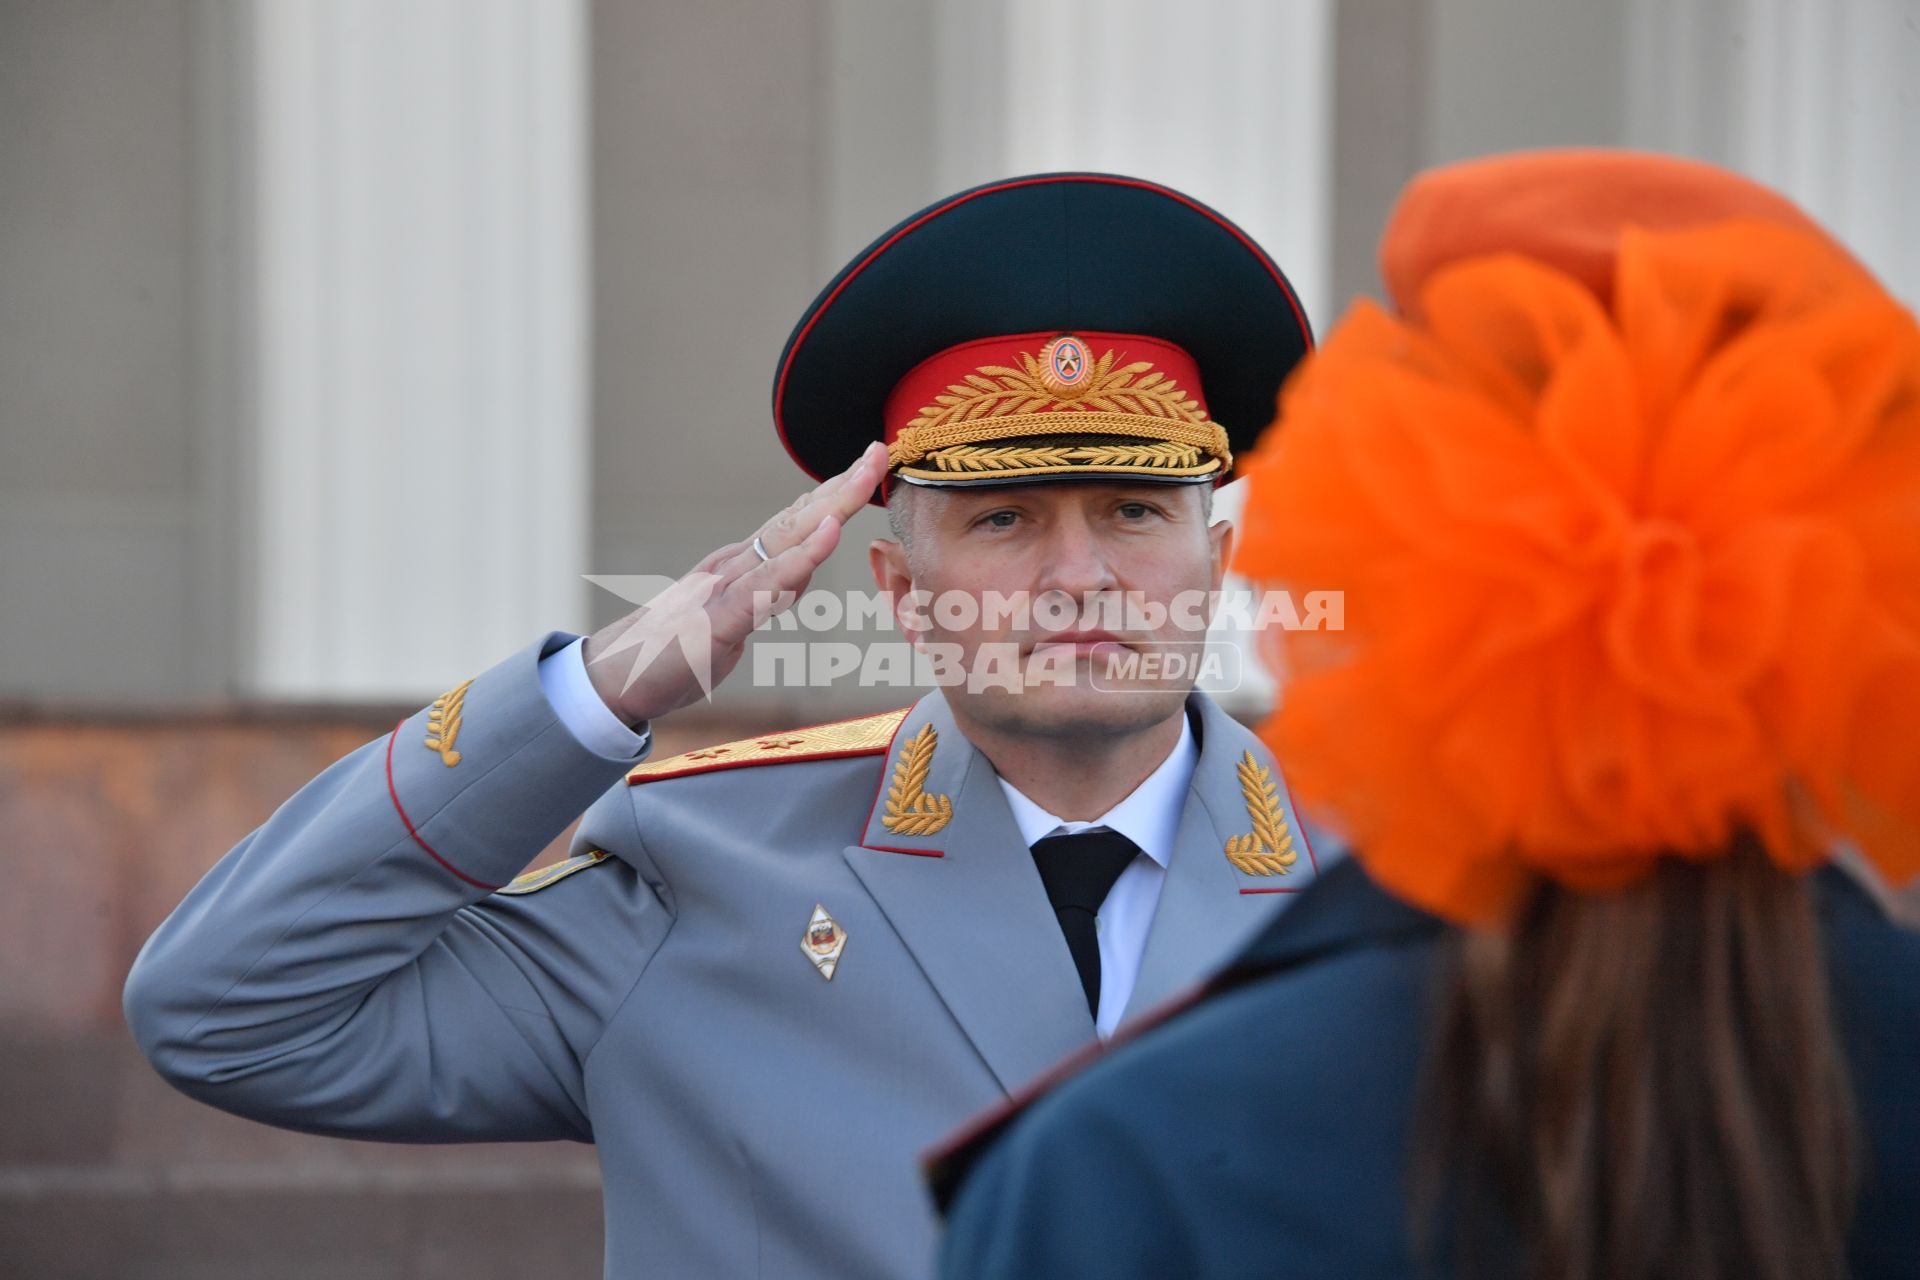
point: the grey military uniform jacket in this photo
(350, 969)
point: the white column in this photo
(417, 238)
(1817, 100)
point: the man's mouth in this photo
(1083, 643)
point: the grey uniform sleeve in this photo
(347, 969)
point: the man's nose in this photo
(1076, 560)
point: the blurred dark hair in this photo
(1642, 1084)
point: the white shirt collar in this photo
(1149, 816)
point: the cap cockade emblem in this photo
(1268, 849)
(911, 810)
(1063, 364)
(823, 942)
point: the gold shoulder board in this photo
(553, 873)
(869, 735)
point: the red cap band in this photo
(1049, 372)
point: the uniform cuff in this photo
(579, 706)
(485, 777)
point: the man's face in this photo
(1110, 574)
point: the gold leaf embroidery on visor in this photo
(998, 402)
(978, 458)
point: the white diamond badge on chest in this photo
(823, 942)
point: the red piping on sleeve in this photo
(394, 792)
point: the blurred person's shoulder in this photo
(1873, 963)
(1873, 954)
(1294, 1070)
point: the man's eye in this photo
(1000, 519)
(1134, 510)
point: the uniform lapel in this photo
(1209, 908)
(965, 899)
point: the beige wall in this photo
(1816, 100)
(1424, 82)
(1506, 74)
(97, 442)
(707, 199)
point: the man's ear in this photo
(1220, 533)
(888, 560)
(891, 573)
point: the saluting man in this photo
(774, 970)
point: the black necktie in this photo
(1078, 870)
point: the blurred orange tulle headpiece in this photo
(1625, 505)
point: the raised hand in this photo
(675, 648)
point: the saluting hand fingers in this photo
(773, 585)
(839, 496)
